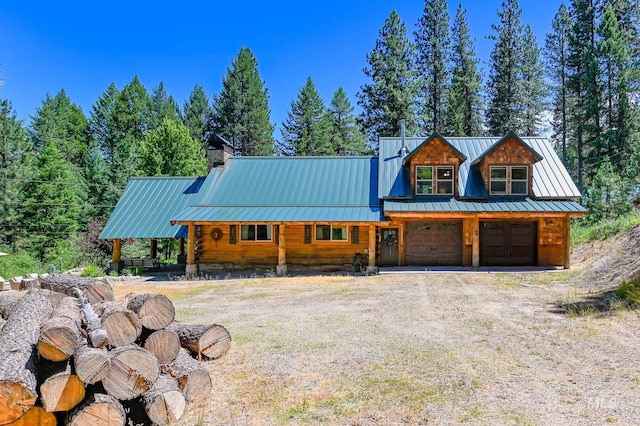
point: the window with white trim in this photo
(512, 180)
(331, 233)
(255, 232)
(429, 183)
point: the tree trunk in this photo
(133, 370)
(164, 345)
(211, 341)
(155, 311)
(18, 355)
(61, 390)
(96, 290)
(61, 333)
(35, 416)
(193, 379)
(98, 410)
(163, 402)
(122, 325)
(91, 364)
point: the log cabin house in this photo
(434, 201)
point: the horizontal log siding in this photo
(249, 253)
(266, 253)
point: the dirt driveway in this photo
(487, 349)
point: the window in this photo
(517, 185)
(519, 180)
(424, 180)
(444, 180)
(255, 233)
(498, 180)
(331, 233)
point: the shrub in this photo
(629, 291)
(19, 264)
(92, 271)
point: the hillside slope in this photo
(603, 265)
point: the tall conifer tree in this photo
(163, 106)
(464, 109)
(241, 112)
(197, 113)
(534, 88)
(433, 53)
(345, 135)
(307, 128)
(391, 95)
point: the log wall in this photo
(223, 253)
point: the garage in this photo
(508, 243)
(434, 243)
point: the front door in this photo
(389, 247)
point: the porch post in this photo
(181, 249)
(475, 245)
(567, 242)
(281, 269)
(153, 252)
(371, 266)
(115, 256)
(401, 244)
(191, 269)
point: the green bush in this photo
(19, 264)
(133, 270)
(583, 231)
(92, 271)
(65, 255)
(629, 291)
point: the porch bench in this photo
(147, 262)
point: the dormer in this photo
(433, 167)
(507, 167)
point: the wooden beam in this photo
(475, 242)
(153, 252)
(117, 244)
(401, 244)
(181, 250)
(372, 246)
(191, 245)
(567, 242)
(282, 251)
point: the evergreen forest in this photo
(63, 170)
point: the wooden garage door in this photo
(437, 243)
(508, 243)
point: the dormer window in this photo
(427, 181)
(509, 180)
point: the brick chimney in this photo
(218, 152)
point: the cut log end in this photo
(155, 311)
(100, 409)
(62, 393)
(164, 403)
(164, 344)
(15, 400)
(133, 370)
(35, 416)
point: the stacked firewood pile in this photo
(69, 354)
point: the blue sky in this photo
(84, 46)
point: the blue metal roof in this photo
(550, 178)
(289, 189)
(452, 205)
(146, 206)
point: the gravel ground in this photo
(485, 349)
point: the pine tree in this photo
(615, 71)
(163, 106)
(15, 168)
(197, 113)
(307, 128)
(433, 53)
(169, 150)
(241, 110)
(345, 136)
(505, 109)
(61, 123)
(534, 88)
(391, 95)
(464, 109)
(582, 84)
(556, 54)
(54, 203)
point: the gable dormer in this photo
(507, 167)
(433, 167)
